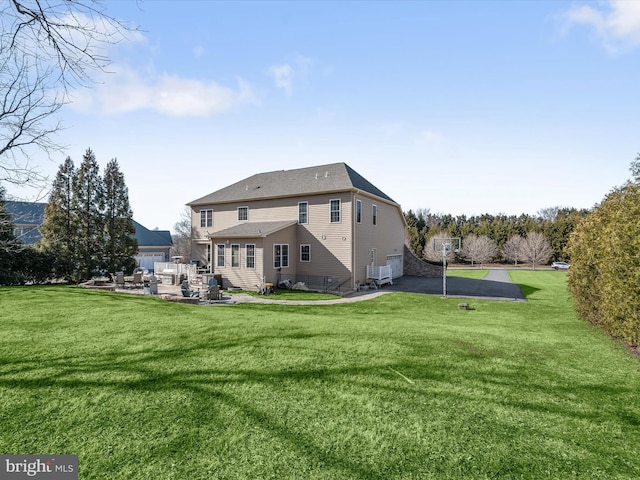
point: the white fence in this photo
(170, 272)
(381, 274)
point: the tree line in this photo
(496, 238)
(87, 229)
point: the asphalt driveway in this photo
(495, 285)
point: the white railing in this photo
(190, 271)
(381, 274)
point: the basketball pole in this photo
(444, 270)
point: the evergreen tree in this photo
(7, 241)
(120, 245)
(59, 228)
(88, 204)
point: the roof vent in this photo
(316, 175)
(326, 174)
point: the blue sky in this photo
(459, 107)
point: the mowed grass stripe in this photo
(141, 388)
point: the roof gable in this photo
(152, 238)
(334, 177)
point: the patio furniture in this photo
(120, 279)
(214, 293)
(187, 292)
(137, 279)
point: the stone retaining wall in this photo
(416, 267)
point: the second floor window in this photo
(243, 214)
(303, 212)
(206, 218)
(358, 211)
(374, 214)
(335, 211)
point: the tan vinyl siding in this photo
(242, 277)
(387, 237)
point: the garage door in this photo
(396, 265)
(147, 261)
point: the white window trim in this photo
(224, 255)
(305, 245)
(306, 213)
(239, 260)
(238, 213)
(247, 256)
(339, 210)
(203, 210)
(274, 255)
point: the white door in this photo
(396, 265)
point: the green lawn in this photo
(467, 272)
(401, 386)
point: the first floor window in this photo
(206, 218)
(220, 255)
(208, 254)
(305, 253)
(250, 256)
(280, 255)
(235, 256)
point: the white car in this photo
(560, 266)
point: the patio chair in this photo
(213, 290)
(137, 279)
(187, 292)
(120, 279)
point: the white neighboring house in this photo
(321, 225)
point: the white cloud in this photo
(126, 91)
(282, 76)
(616, 22)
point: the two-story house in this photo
(319, 225)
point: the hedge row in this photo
(605, 264)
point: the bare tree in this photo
(512, 249)
(478, 249)
(47, 48)
(536, 249)
(182, 235)
(436, 255)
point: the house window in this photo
(280, 255)
(243, 214)
(335, 210)
(235, 255)
(206, 218)
(250, 255)
(358, 211)
(220, 255)
(374, 214)
(208, 254)
(305, 253)
(303, 212)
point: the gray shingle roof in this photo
(152, 238)
(253, 229)
(334, 177)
